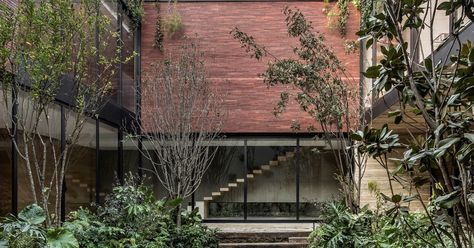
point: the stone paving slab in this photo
(261, 227)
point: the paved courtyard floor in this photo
(262, 227)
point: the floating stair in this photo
(253, 174)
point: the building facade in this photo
(263, 171)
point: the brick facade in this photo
(249, 102)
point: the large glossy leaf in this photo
(61, 238)
(32, 214)
(449, 200)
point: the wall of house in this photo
(248, 101)
(375, 173)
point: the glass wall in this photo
(5, 165)
(108, 43)
(128, 75)
(318, 183)
(108, 159)
(271, 178)
(221, 193)
(80, 177)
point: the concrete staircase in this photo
(294, 239)
(239, 182)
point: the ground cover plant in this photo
(129, 217)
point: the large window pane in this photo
(318, 182)
(128, 76)
(80, 177)
(272, 178)
(108, 43)
(108, 158)
(221, 193)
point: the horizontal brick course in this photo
(248, 101)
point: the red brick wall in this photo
(249, 102)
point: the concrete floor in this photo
(261, 227)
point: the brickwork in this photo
(248, 101)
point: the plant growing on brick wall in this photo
(315, 82)
(47, 53)
(186, 121)
(159, 35)
(173, 22)
(438, 89)
(134, 9)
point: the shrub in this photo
(367, 229)
(130, 217)
(28, 231)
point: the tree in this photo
(317, 85)
(186, 120)
(439, 89)
(48, 53)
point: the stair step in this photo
(232, 185)
(250, 176)
(253, 245)
(240, 180)
(273, 163)
(282, 158)
(207, 198)
(83, 185)
(290, 154)
(298, 239)
(265, 167)
(75, 180)
(257, 171)
(216, 193)
(224, 189)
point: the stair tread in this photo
(224, 189)
(232, 184)
(240, 180)
(250, 176)
(278, 244)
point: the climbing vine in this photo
(159, 35)
(366, 8)
(338, 16)
(134, 10)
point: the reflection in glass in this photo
(80, 177)
(272, 178)
(221, 193)
(108, 159)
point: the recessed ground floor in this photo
(251, 178)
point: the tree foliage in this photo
(48, 53)
(439, 90)
(320, 84)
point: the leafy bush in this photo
(366, 229)
(28, 231)
(130, 217)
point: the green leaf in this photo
(469, 136)
(32, 214)
(445, 144)
(373, 71)
(449, 200)
(61, 238)
(396, 198)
